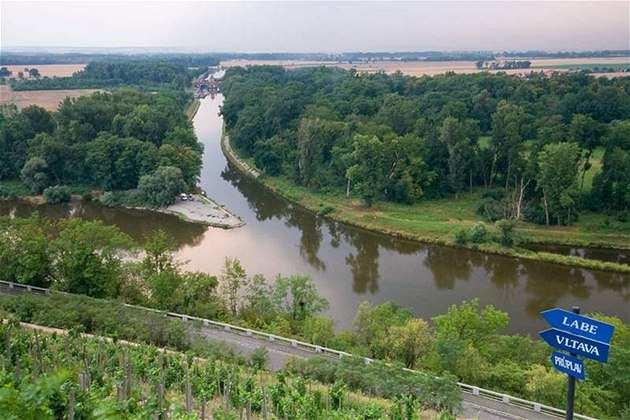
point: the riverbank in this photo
(201, 209)
(192, 108)
(437, 221)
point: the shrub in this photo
(506, 228)
(478, 233)
(324, 210)
(57, 194)
(461, 237)
(258, 359)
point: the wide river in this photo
(351, 265)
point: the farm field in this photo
(48, 99)
(421, 68)
(48, 70)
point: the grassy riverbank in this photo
(192, 108)
(438, 221)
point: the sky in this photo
(318, 26)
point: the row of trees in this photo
(109, 141)
(146, 74)
(468, 341)
(403, 138)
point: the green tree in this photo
(35, 174)
(231, 283)
(88, 258)
(587, 133)
(297, 297)
(367, 174)
(161, 188)
(410, 341)
(373, 324)
(557, 180)
(25, 252)
(461, 153)
(506, 140)
(470, 323)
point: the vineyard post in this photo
(71, 404)
(189, 403)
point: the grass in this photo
(437, 221)
(192, 108)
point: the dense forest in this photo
(528, 142)
(143, 74)
(468, 341)
(109, 141)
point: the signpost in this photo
(578, 335)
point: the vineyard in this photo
(53, 374)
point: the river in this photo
(350, 265)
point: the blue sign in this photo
(574, 344)
(579, 325)
(568, 364)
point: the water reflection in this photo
(350, 265)
(136, 223)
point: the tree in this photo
(40, 120)
(470, 323)
(410, 341)
(88, 258)
(506, 139)
(611, 187)
(297, 297)
(373, 326)
(33, 72)
(158, 254)
(25, 253)
(586, 132)
(461, 153)
(367, 173)
(184, 158)
(557, 179)
(231, 282)
(161, 188)
(35, 174)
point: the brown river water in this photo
(350, 265)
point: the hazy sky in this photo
(319, 26)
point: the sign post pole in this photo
(571, 382)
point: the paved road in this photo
(475, 407)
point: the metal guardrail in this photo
(326, 351)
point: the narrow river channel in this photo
(350, 265)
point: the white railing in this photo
(325, 351)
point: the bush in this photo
(324, 210)
(506, 228)
(57, 194)
(461, 237)
(258, 359)
(478, 233)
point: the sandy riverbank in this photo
(203, 210)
